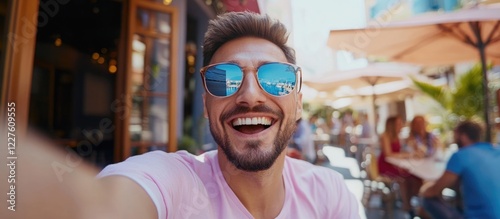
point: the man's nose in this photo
(250, 93)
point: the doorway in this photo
(74, 75)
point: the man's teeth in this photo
(252, 121)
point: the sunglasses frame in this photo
(298, 77)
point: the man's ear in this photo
(205, 113)
(298, 113)
(465, 139)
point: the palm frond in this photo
(468, 96)
(438, 93)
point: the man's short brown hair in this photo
(473, 130)
(233, 25)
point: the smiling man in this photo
(253, 123)
(252, 103)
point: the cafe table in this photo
(428, 169)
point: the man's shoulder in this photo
(177, 155)
(321, 187)
(159, 156)
(480, 147)
(305, 171)
(473, 155)
(159, 161)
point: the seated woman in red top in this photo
(391, 147)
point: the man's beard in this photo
(254, 159)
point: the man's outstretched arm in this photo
(434, 189)
(50, 183)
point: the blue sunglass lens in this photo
(223, 80)
(277, 79)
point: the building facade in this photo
(414, 7)
(107, 78)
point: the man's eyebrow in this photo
(259, 63)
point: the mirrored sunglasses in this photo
(275, 78)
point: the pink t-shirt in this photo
(182, 185)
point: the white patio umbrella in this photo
(372, 74)
(430, 39)
(396, 90)
(346, 96)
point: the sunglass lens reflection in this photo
(223, 80)
(277, 79)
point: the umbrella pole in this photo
(486, 92)
(374, 109)
(482, 47)
(373, 82)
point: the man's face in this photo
(458, 139)
(252, 147)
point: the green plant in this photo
(465, 101)
(188, 143)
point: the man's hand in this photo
(424, 190)
(48, 185)
(432, 189)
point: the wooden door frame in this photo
(124, 86)
(19, 58)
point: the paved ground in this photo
(375, 208)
